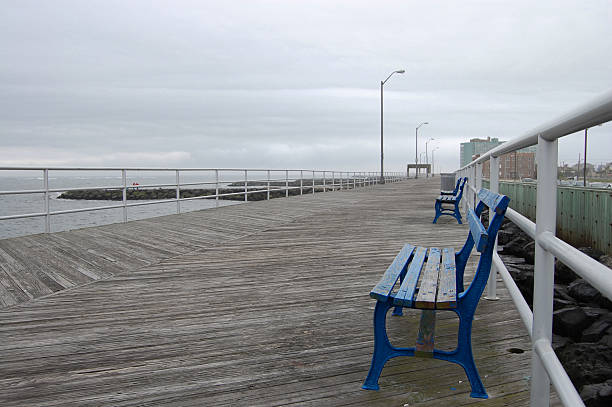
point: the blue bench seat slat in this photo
(383, 289)
(428, 287)
(479, 234)
(447, 286)
(406, 291)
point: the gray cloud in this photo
(288, 83)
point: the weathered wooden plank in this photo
(405, 294)
(426, 297)
(447, 289)
(383, 289)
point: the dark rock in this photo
(581, 290)
(596, 313)
(522, 274)
(596, 330)
(509, 259)
(558, 303)
(570, 322)
(606, 260)
(597, 395)
(592, 252)
(606, 340)
(559, 342)
(586, 293)
(503, 237)
(560, 291)
(586, 363)
(564, 274)
(515, 246)
(529, 252)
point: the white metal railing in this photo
(240, 181)
(546, 367)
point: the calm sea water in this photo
(34, 203)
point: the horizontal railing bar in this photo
(29, 191)
(158, 201)
(86, 188)
(515, 293)
(95, 208)
(598, 275)
(522, 222)
(563, 384)
(166, 169)
(25, 215)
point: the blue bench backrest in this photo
(457, 186)
(460, 194)
(483, 240)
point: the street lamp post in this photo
(432, 161)
(382, 175)
(426, 156)
(416, 149)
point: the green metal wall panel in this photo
(584, 215)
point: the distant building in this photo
(515, 165)
(476, 147)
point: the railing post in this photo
(286, 183)
(478, 184)
(546, 217)
(124, 194)
(324, 181)
(301, 182)
(313, 182)
(473, 183)
(354, 181)
(333, 180)
(178, 193)
(47, 211)
(246, 186)
(268, 196)
(216, 188)
(494, 187)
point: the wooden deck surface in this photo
(247, 305)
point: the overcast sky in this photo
(295, 84)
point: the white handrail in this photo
(242, 185)
(545, 364)
(563, 385)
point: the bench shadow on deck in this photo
(273, 312)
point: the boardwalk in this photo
(247, 305)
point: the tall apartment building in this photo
(515, 165)
(476, 147)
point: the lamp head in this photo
(400, 71)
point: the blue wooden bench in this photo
(440, 272)
(447, 199)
